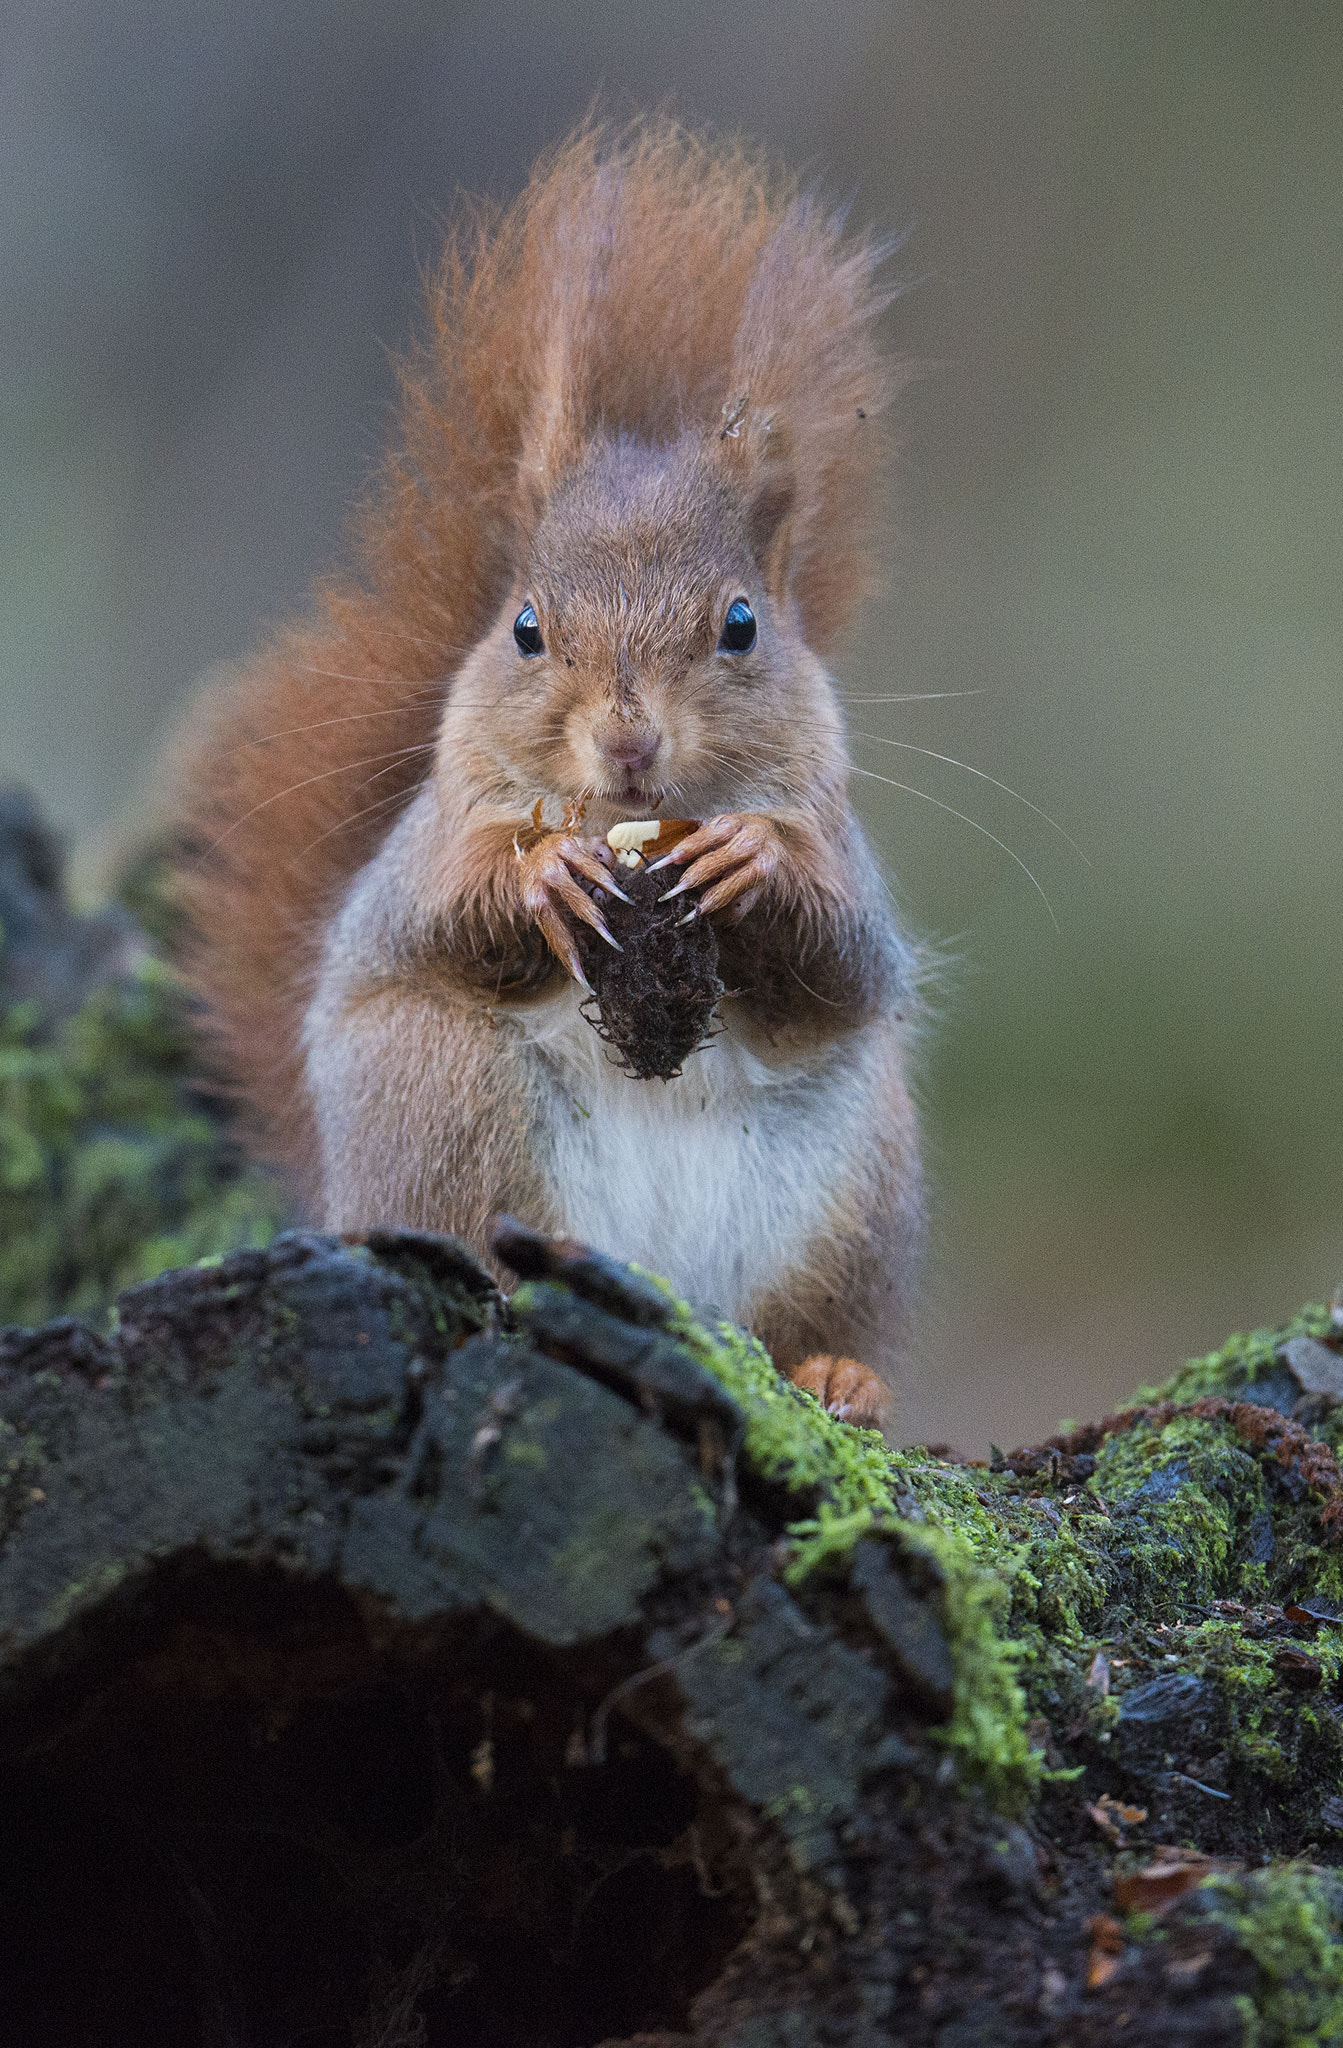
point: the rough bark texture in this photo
(385, 1663)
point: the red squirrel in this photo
(631, 501)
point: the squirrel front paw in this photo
(845, 1388)
(738, 855)
(552, 873)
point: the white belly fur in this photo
(719, 1179)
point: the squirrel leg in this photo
(416, 1107)
(850, 1291)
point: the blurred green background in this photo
(1120, 485)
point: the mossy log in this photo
(384, 1662)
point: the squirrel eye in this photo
(738, 635)
(527, 633)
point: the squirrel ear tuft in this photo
(551, 439)
(754, 450)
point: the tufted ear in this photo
(551, 439)
(754, 451)
(574, 335)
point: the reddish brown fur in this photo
(646, 284)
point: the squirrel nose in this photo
(634, 751)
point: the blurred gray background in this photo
(1121, 483)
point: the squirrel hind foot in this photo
(850, 1391)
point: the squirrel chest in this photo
(718, 1179)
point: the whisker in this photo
(911, 697)
(933, 755)
(910, 790)
(344, 718)
(340, 675)
(425, 747)
(391, 796)
(343, 768)
(829, 1001)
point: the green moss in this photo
(854, 1483)
(526, 1453)
(110, 1170)
(790, 1439)
(1173, 1518)
(99, 1581)
(1272, 1733)
(1290, 1920)
(1043, 1574)
(1192, 1495)
(829, 1535)
(796, 1800)
(1241, 1361)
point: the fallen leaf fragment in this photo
(1106, 1933)
(1171, 1873)
(1107, 1946)
(1107, 1827)
(1295, 1668)
(1184, 1969)
(1145, 1891)
(1112, 1816)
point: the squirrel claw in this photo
(553, 895)
(559, 938)
(579, 859)
(845, 1389)
(732, 859)
(584, 907)
(732, 889)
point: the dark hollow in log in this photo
(259, 1818)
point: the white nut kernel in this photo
(634, 833)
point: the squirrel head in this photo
(649, 653)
